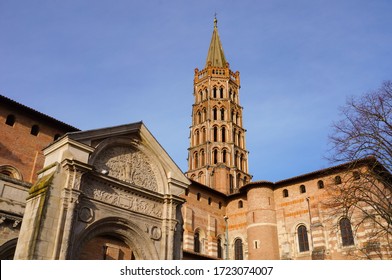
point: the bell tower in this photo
(217, 153)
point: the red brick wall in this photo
(19, 148)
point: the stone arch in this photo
(129, 160)
(199, 239)
(130, 233)
(11, 171)
(7, 250)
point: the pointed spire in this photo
(215, 52)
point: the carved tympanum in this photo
(128, 164)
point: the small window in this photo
(285, 193)
(209, 201)
(346, 232)
(10, 120)
(220, 248)
(220, 205)
(338, 180)
(320, 184)
(215, 113)
(238, 250)
(187, 192)
(198, 196)
(215, 134)
(303, 242)
(356, 175)
(34, 130)
(302, 189)
(240, 204)
(215, 156)
(196, 242)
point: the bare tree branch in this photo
(365, 131)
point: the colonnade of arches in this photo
(218, 134)
(217, 92)
(219, 155)
(218, 113)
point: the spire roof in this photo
(215, 52)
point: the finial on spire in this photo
(215, 21)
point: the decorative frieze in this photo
(118, 197)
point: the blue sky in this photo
(102, 63)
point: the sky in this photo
(102, 63)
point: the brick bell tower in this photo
(217, 153)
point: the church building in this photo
(115, 193)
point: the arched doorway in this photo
(106, 247)
(114, 238)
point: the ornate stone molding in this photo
(130, 200)
(4, 218)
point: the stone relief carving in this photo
(115, 196)
(156, 233)
(86, 214)
(128, 164)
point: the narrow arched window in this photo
(215, 134)
(215, 113)
(320, 184)
(240, 204)
(220, 248)
(209, 201)
(222, 111)
(198, 196)
(215, 156)
(346, 232)
(10, 120)
(214, 92)
(224, 156)
(196, 160)
(338, 180)
(196, 242)
(220, 205)
(199, 119)
(302, 189)
(34, 130)
(238, 250)
(285, 193)
(202, 158)
(223, 134)
(303, 242)
(221, 92)
(197, 135)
